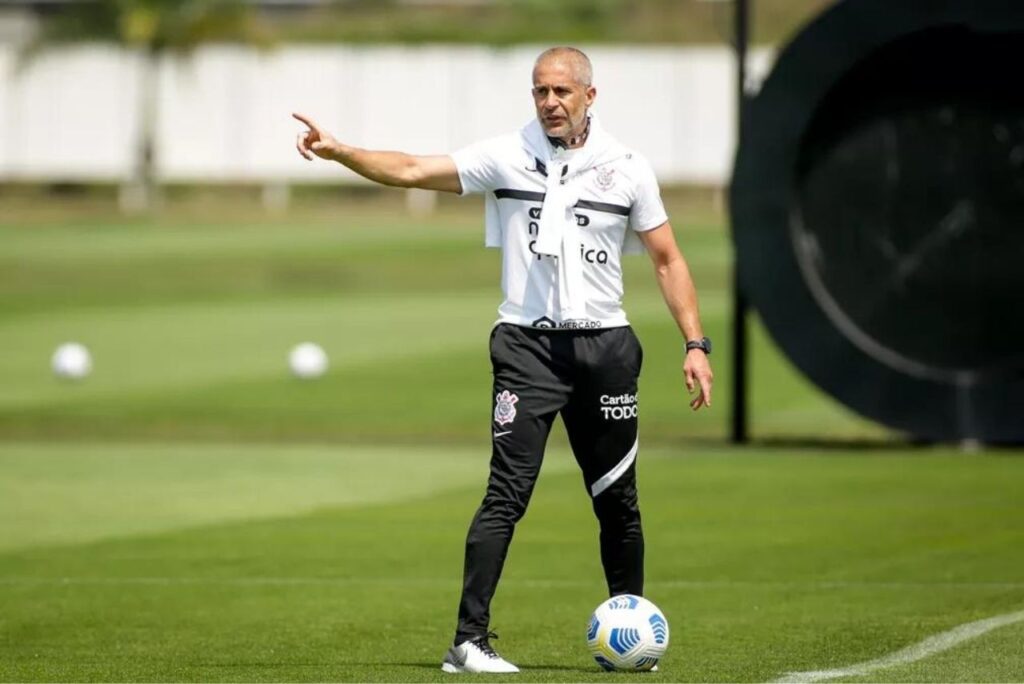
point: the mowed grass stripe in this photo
(30, 287)
(764, 562)
(64, 494)
(63, 268)
(193, 345)
(111, 239)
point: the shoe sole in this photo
(452, 668)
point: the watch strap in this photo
(704, 344)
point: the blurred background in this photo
(154, 210)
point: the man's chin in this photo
(559, 131)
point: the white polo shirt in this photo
(616, 199)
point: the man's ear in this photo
(591, 94)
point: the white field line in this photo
(923, 649)
(540, 583)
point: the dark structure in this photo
(878, 212)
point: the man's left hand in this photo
(697, 371)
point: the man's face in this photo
(560, 100)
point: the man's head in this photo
(562, 91)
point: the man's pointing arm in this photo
(435, 172)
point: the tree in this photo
(151, 28)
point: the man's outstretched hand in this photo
(315, 141)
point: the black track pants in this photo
(590, 377)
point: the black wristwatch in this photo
(704, 344)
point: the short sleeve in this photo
(478, 166)
(648, 211)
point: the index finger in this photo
(306, 120)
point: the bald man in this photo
(563, 201)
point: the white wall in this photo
(67, 114)
(224, 113)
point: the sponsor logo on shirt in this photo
(590, 256)
(581, 220)
(618, 406)
(593, 256)
(571, 324)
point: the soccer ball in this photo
(307, 360)
(627, 633)
(71, 361)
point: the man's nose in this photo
(550, 101)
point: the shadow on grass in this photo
(904, 446)
(798, 443)
(827, 444)
(437, 666)
(824, 444)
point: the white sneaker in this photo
(476, 656)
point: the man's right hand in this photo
(397, 169)
(315, 140)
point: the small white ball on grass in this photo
(307, 360)
(71, 361)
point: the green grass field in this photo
(192, 513)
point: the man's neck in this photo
(573, 141)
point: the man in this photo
(563, 201)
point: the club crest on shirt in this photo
(505, 407)
(605, 179)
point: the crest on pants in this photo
(505, 407)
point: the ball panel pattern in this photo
(660, 628)
(592, 628)
(623, 639)
(624, 602)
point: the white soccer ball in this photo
(71, 361)
(627, 633)
(307, 360)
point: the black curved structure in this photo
(878, 212)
